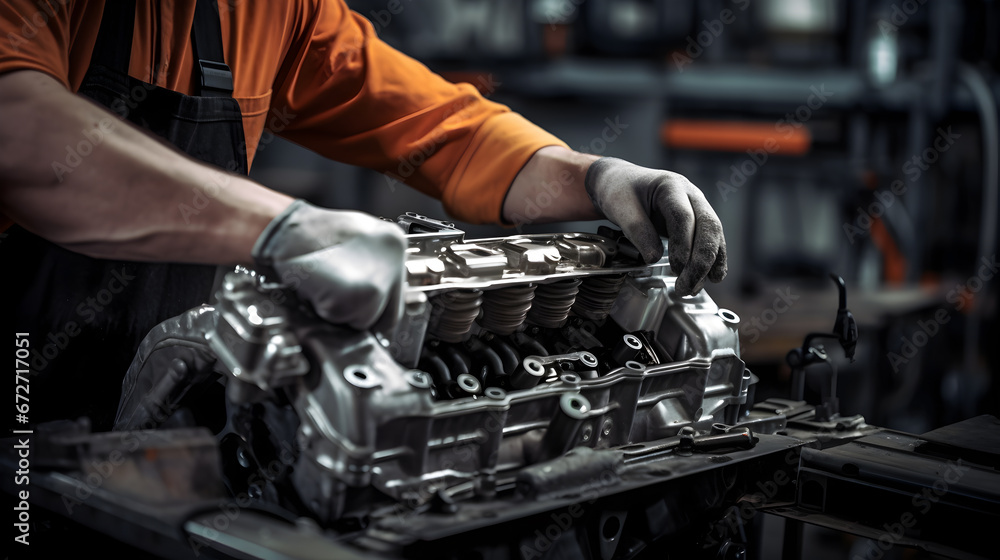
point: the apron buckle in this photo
(216, 79)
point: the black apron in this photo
(87, 316)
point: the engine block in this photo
(511, 352)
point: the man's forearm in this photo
(131, 197)
(550, 188)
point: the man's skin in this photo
(123, 199)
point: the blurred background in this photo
(855, 137)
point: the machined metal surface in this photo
(481, 379)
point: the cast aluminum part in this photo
(512, 351)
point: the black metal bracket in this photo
(845, 331)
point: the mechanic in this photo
(126, 132)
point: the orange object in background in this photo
(736, 136)
(893, 261)
(555, 38)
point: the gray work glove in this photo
(348, 265)
(647, 203)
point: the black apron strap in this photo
(206, 39)
(114, 44)
(114, 40)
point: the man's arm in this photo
(553, 174)
(124, 199)
(645, 203)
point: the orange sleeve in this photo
(36, 36)
(350, 97)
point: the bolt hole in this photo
(729, 316)
(468, 383)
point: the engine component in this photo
(512, 351)
(453, 313)
(597, 296)
(504, 310)
(553, 302)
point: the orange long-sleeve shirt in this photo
(311, 71)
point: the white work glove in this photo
(647, 203)
(348, 265)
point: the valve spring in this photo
(453, 313)
(504, 310)
(597, 296)
(553, 302)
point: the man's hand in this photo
(646, 203)
(348, 265)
